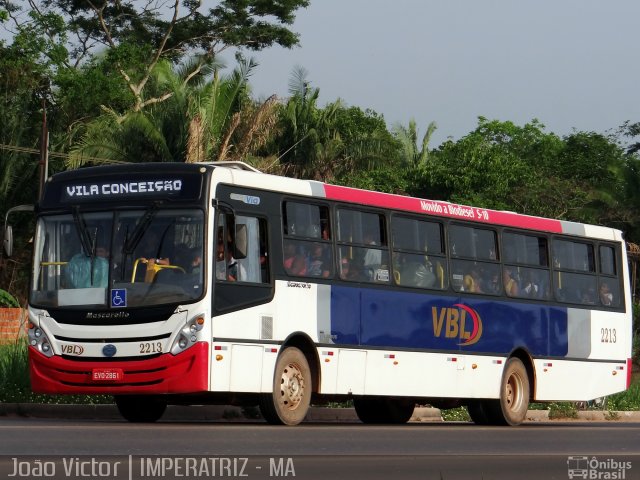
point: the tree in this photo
(203, 120)
(330, 142)
(493, 166)
(23, 86)
(138, 35)
(630, 130)
(412, 154)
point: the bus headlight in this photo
(188, 335)
(39, 340)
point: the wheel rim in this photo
(292, 386)
(513, 393)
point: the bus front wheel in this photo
(140, 408)
(288, 404)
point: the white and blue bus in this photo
(214, 283)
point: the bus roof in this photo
(240, 173)
(436, 208)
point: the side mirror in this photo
(240, 243)
(8, 240)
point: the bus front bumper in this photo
(187, 372)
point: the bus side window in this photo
(364, 235)
(609, 285)
(307, 248)
(252, 268)
(575, 277)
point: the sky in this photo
(571, 64)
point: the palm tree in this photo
(408, 137)
(195, 121)
(225, 123)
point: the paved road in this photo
(255, 450)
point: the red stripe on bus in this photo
(442, 209)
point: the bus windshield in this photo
(118, 259)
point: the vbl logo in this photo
(456, 323)
(72, 349)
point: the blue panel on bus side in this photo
(558, 331)
(345, 315)
(372, 317)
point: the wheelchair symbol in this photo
(119, 297)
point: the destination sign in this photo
(111, 189)
(96, 189)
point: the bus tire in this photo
(140, 408)
(511, 408)
(383, 410)
(399, 410)
(367, 409)
(478, 412)
(289, 401)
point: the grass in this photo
(15, 386)
(627, 400)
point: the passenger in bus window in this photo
(152, 249)
(79, 272)
(472, 282)
(423, 275)
(530, 287)
(226, 265)
(350, 270)
(510, 283)
(493, 285)
(189, 259)
(344, 268)
(372, 257)
(589, 296)
(606, 297)
(319, 264)
(294, 263)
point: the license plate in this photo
(107, 374)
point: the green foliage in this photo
(253, 24)
(627, 400)
(503, 166)
(8, 300)
(329, 143)
(14, 380)
(192, 124)
(459, 414)
(14, 372)
(412, 154)
(495, 166)
(22, 80)
(558, 410)
(84, 91)
(387, 179)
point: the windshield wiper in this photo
(88, 243)
(131, 243)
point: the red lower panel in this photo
(186, 372)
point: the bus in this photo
(213, 283)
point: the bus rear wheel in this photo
(140, 408)
(478, 412)
(511, 408)
(383, 409)
(289, 401)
